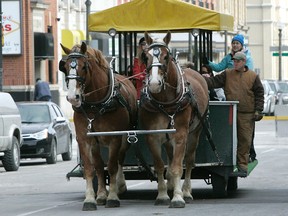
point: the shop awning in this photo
(72, 37)
(158, 15)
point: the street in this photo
(41, 189)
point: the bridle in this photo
(156, 55)
(74, 56)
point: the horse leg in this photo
(176, 170)
(121, 183)
(112, 166)
(190, 163)
(85, 152)
(99, 168)
(169, 151)
(155, 149)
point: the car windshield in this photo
(34, 114)
(266, 89)
(272, 85)
(283, 87)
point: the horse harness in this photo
(181, 102)
(109, 103)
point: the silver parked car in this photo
(10, 133)
(269, 99)
(281, 89)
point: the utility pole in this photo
(280, 54)
(1, 56)
(88, 6)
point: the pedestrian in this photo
(243, 85)
(139, 66)
(237, 45)
(42, 91)
(216, 94)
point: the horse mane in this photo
(98, 55)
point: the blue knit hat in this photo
(238, 38)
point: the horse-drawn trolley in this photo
(173, 128)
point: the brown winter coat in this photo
(245, 87)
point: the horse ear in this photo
(148, 39)
(83, 47)
(65, 49)
(167, 38)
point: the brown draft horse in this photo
(102, 101)
(172, 98)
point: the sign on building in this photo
(11, 22)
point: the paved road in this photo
(41, 189)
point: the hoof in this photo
(101, 202)
(162, 202)
(188, 200)
(89, 207)
(177, 204)
(112, 203)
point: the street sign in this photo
(277, 54)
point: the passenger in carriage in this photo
(237, 45)
(243, 85)
(139, 66)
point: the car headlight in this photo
(40, 135)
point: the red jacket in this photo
(139, 71)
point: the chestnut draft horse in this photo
(178, 99)
(102, 101)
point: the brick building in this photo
(29, 51)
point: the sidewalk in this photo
(266, 134)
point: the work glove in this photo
(205, 60)
(258, 115)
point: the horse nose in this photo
(77, 97)
(159, 82)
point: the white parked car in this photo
(10, 133)
(269, 99)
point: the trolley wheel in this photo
(219, 185)
(232, 183)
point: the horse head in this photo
(157, 60)
(78, 67)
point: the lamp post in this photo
(280, 54)
(88, 6)
(195, 33)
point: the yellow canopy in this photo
(158, 15)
